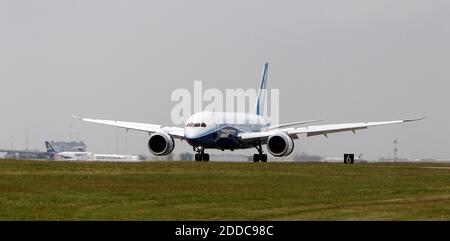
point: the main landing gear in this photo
(259, 157)
(201, 155)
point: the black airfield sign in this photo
(349, 158)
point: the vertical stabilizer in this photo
(262, 92)
(49, 148)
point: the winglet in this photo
(417, 119)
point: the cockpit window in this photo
(191, 124)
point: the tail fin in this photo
(50, 148)
(262, 92)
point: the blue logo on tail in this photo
(49, 148)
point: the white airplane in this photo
(68, 155)
(230, 131)
(85, 156)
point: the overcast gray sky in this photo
(344, 61)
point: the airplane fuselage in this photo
(219, 130)
(79, 156)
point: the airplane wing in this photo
(318, 129)
(175, 132)
(292, 124)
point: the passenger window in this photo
(197, 125)
(203, 125)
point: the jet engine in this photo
(280, 145)
(161, 144)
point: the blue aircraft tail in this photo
(262, 92)
(49, 147)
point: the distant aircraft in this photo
(231, 130)
(85, 156)
(79, 155)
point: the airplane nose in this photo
(188, 132)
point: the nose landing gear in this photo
(259, 157)
(201, 155)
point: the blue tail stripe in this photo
(262, 86)
(264, 77)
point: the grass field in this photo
(37, 190)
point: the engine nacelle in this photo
(161, 144)
(280, 145)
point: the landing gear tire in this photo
(202, 157)
(198, 158)
(205, 157)
(259, 158)
(256, 158)
(263, 158)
